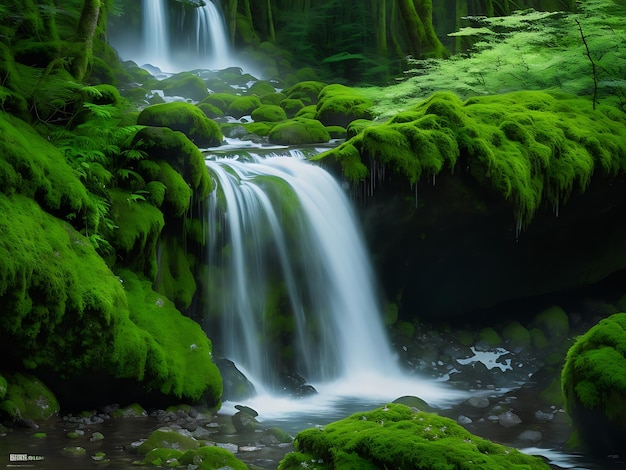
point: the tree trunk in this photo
(231, 9)
(83, 48)
(416, 16)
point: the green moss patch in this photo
(212, 458)
(529, 147)
(340, 105)
(185, 84)
(27, 398)
(243, 106)
(184, 117)
(299, 131)
(594, 384)
(268, 113)
(397, 437)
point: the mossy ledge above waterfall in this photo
(529, 147)
(396, 436)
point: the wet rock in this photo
(236, 384)
(244, 422)
(229, 446)
(478, 402)
(542, 416)
(464, 420)
(96, 436)
(74, 451)
(509, 419)
(247, 410)
(295, 385)
(530, 436)
(275, 436)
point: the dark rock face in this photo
(459, 251)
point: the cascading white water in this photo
(211, 37)
(155, 33)
(293, 263)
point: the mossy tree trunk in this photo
(380, 9)
(83, 48)
(231, 11)
(416, 15)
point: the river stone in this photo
(96, 436)
(462, 420)
(509, 419)
(530, 435)
(247, 410)
(478, 402)
(74, 451)
(542, 416)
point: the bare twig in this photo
(593, 64)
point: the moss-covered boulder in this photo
(184, 117)
(339, 105)
(291, 106)
(299, 131)
(26, 399)
(243, 106)
(185, 84)
(220, 100)
(273, 98)
(212, 458)
(306, 91)
(167, 438)
(594, 384)
(395, 436)
(269, 113)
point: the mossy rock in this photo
(299, 131)
(27, 399)
(167, 438)
(306, 91)
(273, 98)
(415, 402)
(243, 106)
(594, 384)
(307, 74)
(395, 436)
(185, 84)
(262, 88)
(339, 105)
(161, 346)
(307, 112)
(291, 106)
(539, 339)
(490, 337)
(212, 458)
(554, 322)
(220, 100)
(163, 457)
(210, 111)
(549, 147)
(336, 132)
(357, 126)
(268, 113)
(186, 118)
(171, 151)
(516, 335)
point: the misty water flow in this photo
(175, 38)
(297, 293)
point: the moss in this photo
(210, 110)
(139, 225)
(397, 437)
(306, 91)
(594, 384)
(299, 131)
(273, 98)
(336, 132)
(33, 167)
(167, 350)
(269, 113)
(261, 129)
(307, 112)
(161, 457)
(340, 105)
(169, 150)
(184, 117)
(185, 84)
(27, 398)
(243, 106)
(167, 439)
(3, 386)
(175, 278)
(291, 106)
(212, 458)
(59, 296)
(404, 329)
(529, 147)
(489, 336)
(517, 335)
(554, 322)
(262, 88)
(220, 100)
(539, 339)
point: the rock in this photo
(463, 420)
(509, 419)
(74, 451)
(96, 436)
(274, 436)
(530, 436)
(244, 422)
(247, 410)
(478, 402)
(236, 384)
(542, 416)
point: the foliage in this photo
(396, 436)
(27, 398)
(528, 50)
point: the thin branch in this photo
(593, 64)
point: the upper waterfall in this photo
(176, 37)
(296, 290)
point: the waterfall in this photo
(211, 37)
(289, 265)
(155, 32)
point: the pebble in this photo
(530, 435)
(509, 419)
(464, 420)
